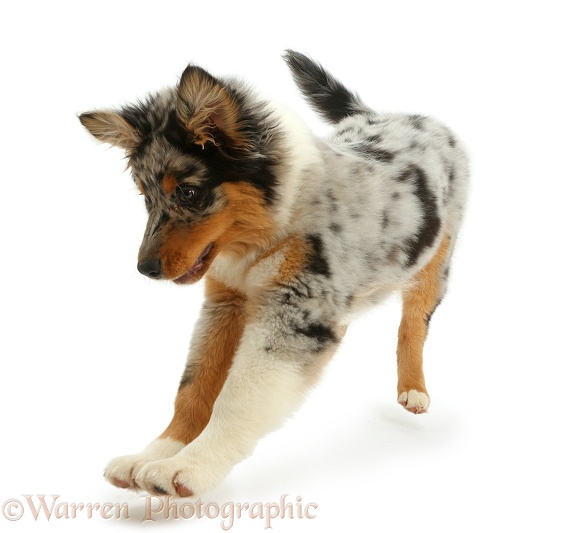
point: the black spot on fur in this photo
(187, 376)
(317, 263)
(415, 145)
(430, 225)
(335, 228)
(332, 198)
(186, 380)
(396, 196)
(319, 332)
(429, 315)
(349, 129)
(404, 176)
(163, 219)
(417, 121)
(295, 292)
(385, 220)
(383, 156)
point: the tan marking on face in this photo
(183, 245)
(243, 223)
(195, 401)
(169, 184)
(418, 302)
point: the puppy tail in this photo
(325, 93)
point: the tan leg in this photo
(418, 303)
(210, 360)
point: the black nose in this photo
(151, 268)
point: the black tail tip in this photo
(329, 97)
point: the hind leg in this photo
(418, 303)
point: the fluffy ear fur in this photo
(110, 127)
(209, 112)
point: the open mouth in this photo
(197, 268)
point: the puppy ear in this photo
(110, 127)
(209, 112)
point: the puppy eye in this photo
(186, 193)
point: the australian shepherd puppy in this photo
(294, 235)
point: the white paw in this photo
(181, 475)
(414, 401)
(122, 471)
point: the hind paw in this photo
(414, 401)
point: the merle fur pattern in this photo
(373, 199)
(371, 204)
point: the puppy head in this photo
(204, 155)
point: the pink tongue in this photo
(196, 267)
(200, 263)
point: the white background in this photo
(92, 351)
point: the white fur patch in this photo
(414, 401)
(125, 468)
(258, 395)
(300, 155)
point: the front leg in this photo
(215, 340)
(279, 357)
